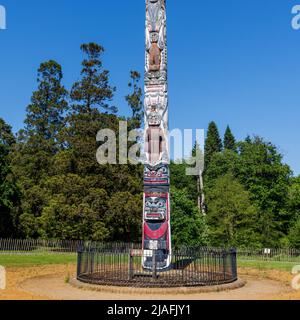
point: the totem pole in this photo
(156, 215)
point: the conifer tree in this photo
(88, 96)
(229, 140)
(8, 190)
(93, 89)
(32, 157)
(46, 113)
(134, 100)
(213, 143)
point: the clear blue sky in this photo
(235, 62)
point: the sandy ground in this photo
(50, 283)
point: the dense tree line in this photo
(252, 198)
(51, 185)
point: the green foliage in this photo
(51, 185)
(7, 138)
(231, 216)
(294, 235)
(213, 143)
(134, 100)
(75, 209)
(187, 224)
(45, 114)
(66, 194)
(123, 216)
(258, 167)
(229, 140)
(293, 200)
(93, 90)
(9, 193)
(180, 180)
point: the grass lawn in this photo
(42, 258)
(284, 266)
(37, 259)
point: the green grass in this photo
(284, 266)
(42, 258)
(28, 260)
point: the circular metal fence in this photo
(116, 265)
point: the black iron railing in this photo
(123, 266)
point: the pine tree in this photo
(44, 120)
(45, 114)
(9, 195)
(93, 90)
(134, 100)
(88, 95)
(32, 158)
(229, 140)
(213, 143)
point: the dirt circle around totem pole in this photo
(154, 290)
(56, 287)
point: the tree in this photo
(88, 96)
(7, 138)
(44, 121)
(198, 154)
(124, 217)
(187, 224)
(46, 113)
(220, 164)
(9, 193)
(75, 209)
(293, 199)
(93, 90)
(294, 235)
(264, 175)
(213, 143)
(231, 216)
(66, 193)
(229, 140)
(38, 143)
(258, 166)
(134, 100)
(180, 180)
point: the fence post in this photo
(224, 254)
(130, 266)
(154, 264)
(79, 255)
(233, 263)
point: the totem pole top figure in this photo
(156, 97)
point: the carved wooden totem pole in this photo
(156, 215)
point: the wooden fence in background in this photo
(8, 246)
(31, 246)
(28, 246)
(269, 254)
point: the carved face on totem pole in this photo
(155, 206)
(157, 175)
(154, 117)
(155, 34)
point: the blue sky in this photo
(235, 62)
